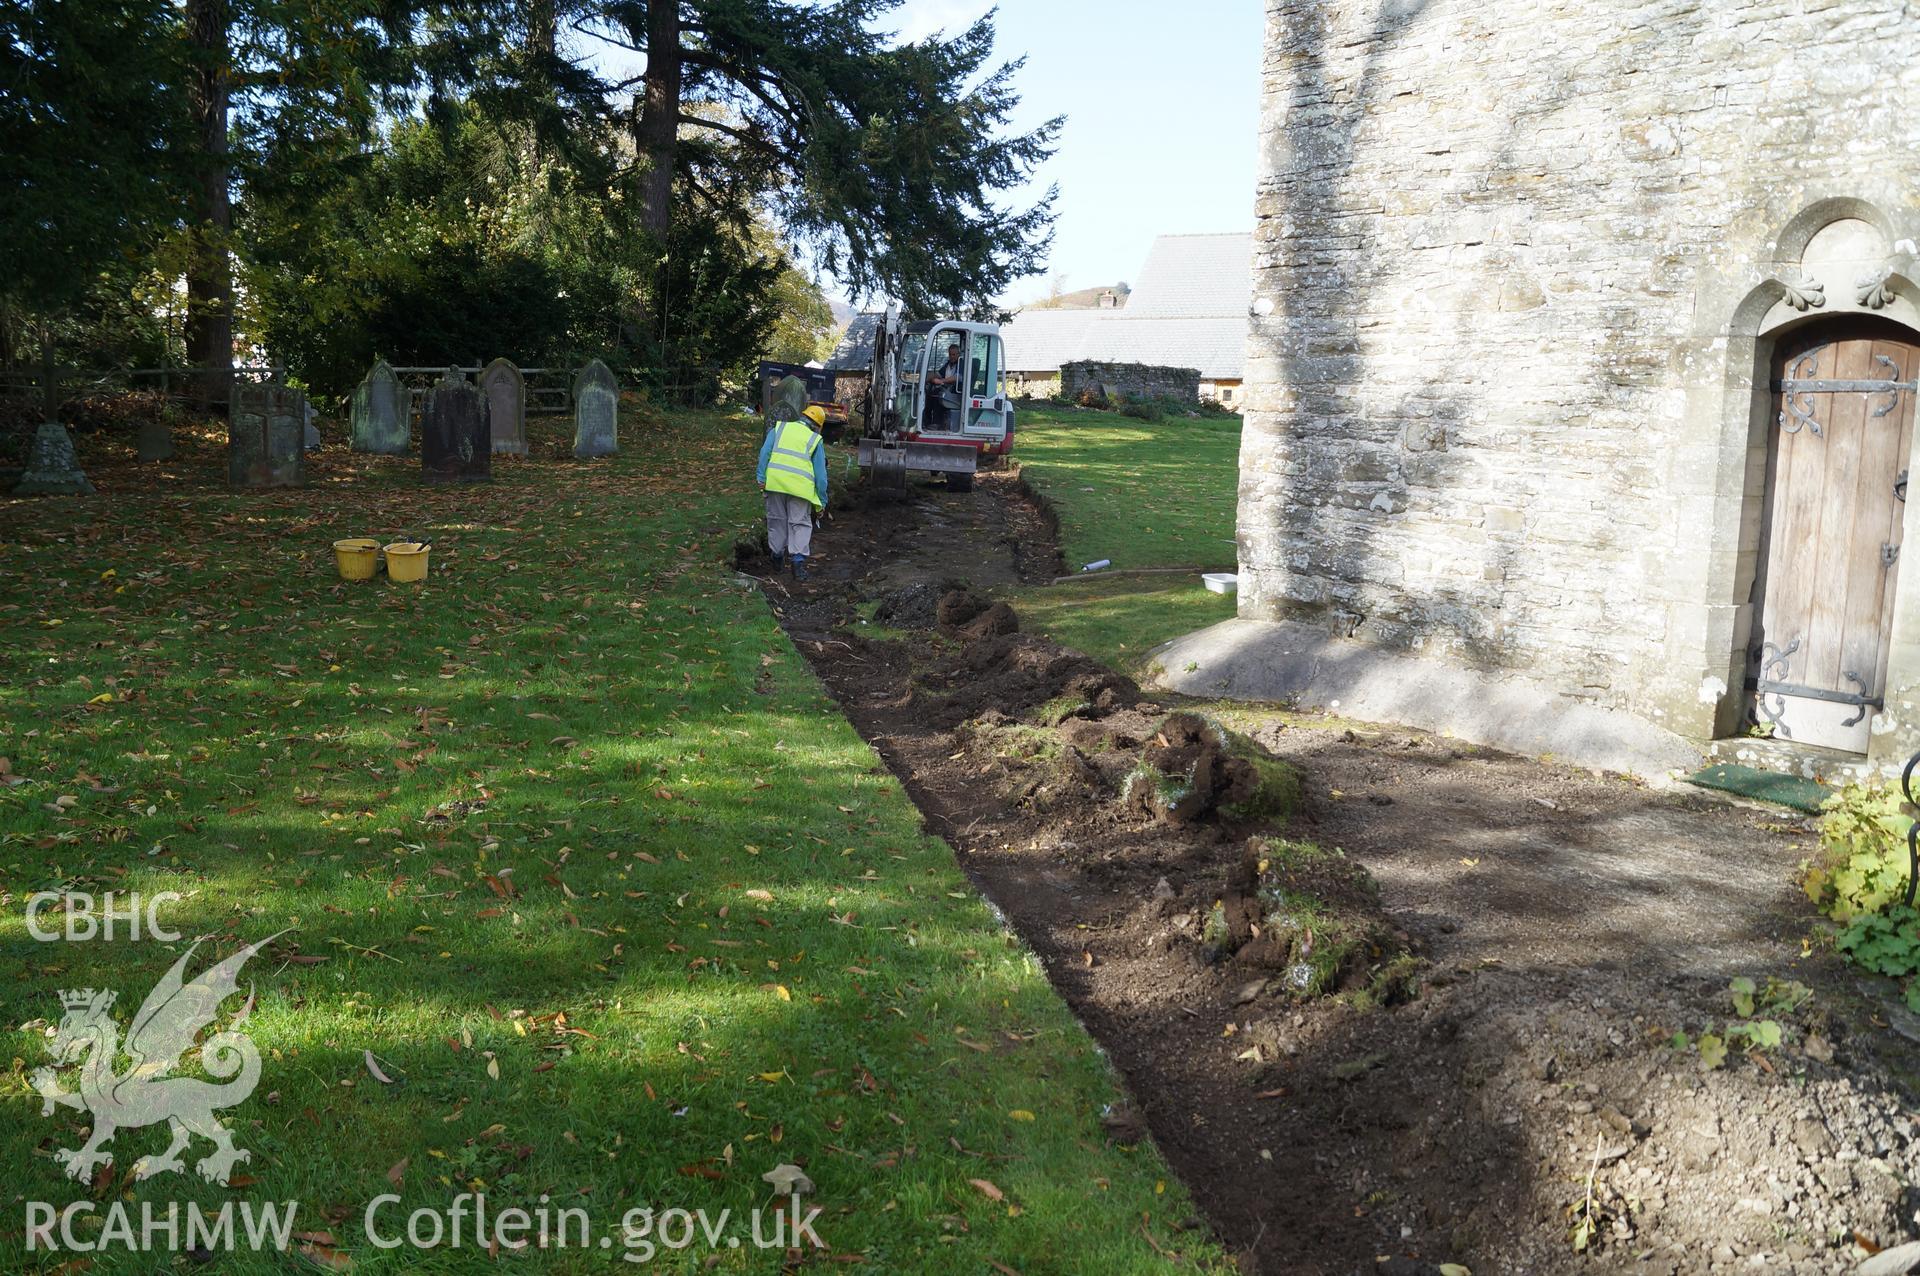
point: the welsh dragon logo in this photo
(173, 1014)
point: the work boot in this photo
(799, 566)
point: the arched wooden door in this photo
(1843, 414)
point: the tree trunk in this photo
(209, 270)
(542, 22)
(659, 125)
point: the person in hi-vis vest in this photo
(793, 470)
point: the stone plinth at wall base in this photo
(53, 469)
(1808, 761)
(1297, 664)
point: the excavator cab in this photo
(950, 408)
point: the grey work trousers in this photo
(789, 524)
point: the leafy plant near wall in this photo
(1860, 880)
(1755, 1030)
(1888, 944)
(1862, 865)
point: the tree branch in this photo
(740, 135)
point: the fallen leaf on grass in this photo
(988, 1190)
(327, 1258)
(374, 1068)
(398, 1172)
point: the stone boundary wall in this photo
(1142, 380)
(1516, 264)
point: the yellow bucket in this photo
(407, 561)
(356, 558)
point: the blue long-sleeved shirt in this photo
(819, 462)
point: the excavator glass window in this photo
(912, 349)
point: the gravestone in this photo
(156, 439)
(506, 392)
(456, 443)
(53, 469)
(266, 434)
(596, 411)
(381, 416)
(313, 431)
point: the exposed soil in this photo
(1495, 1039)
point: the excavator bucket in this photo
(886, 466)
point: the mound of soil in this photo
(915, 606)
(960, 605)
(1013, 673)
(1194, 769)
(1314, 916)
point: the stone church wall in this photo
(1517, 268)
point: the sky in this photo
(1162, 104)
(1161, 100)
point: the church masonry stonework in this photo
(1520, 272)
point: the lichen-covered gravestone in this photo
(266, 436)
(596, 411)
(156, 438)
(52, 467)
(380, 413)
(456, 444)
(506, 391)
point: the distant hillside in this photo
(1081, 299)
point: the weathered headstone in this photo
(53, 469)
(156, 439)
(380, 413)
(596, 411)
(506, 392)
(266, 433)
(312, 439)
(456, 444)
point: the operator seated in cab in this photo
(943, 391)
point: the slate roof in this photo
(1042, 340)
(854, 351)
(1214, 345)
(1195, 277)
(1188, 309)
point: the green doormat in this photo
(1766, 786)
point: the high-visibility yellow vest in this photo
(790, 465)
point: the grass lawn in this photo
(1142, 493)
(1145, 494)
(589, 896)
(1119, 620)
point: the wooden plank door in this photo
(1843, 411)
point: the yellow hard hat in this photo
(816, 414)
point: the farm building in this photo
(1582, 377)
(1188, 309)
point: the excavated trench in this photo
(1448, 1044)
